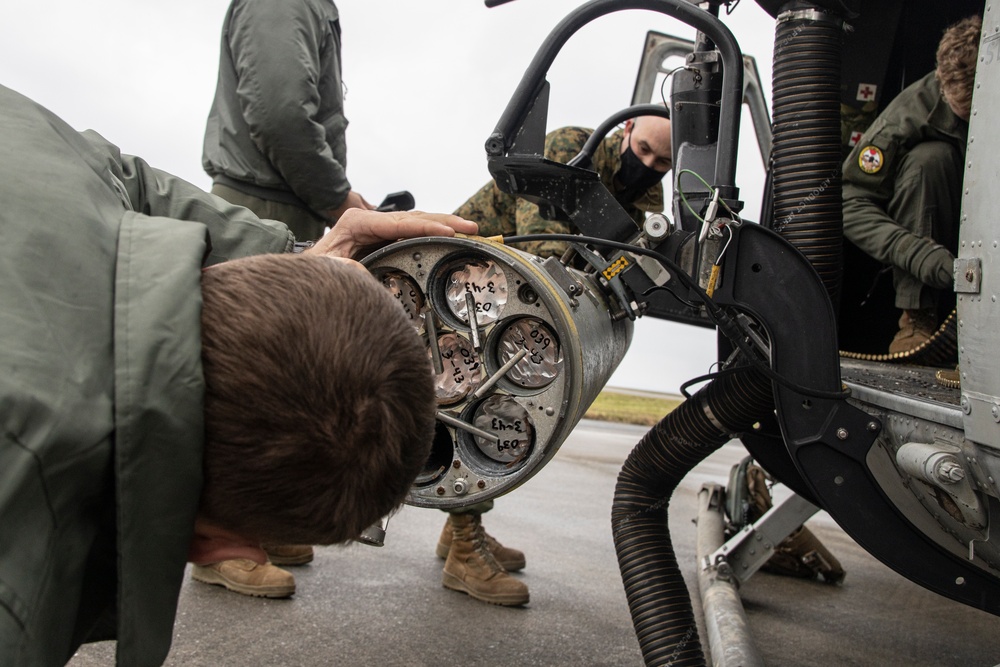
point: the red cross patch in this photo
(867, 91)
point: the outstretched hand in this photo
(359, 231)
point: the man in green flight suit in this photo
(153, 413)
(631, 163)
(903, 184)
(275, 142)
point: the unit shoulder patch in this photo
(871, 159)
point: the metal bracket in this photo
(968, 275)
(610, 275)
(750, 548)
(569, 284)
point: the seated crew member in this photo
(631, 163)
(148, 403)
(903, 184)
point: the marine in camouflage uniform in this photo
(475, 562)
(499, 213)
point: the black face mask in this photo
(635, 177)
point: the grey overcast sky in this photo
(426, 83)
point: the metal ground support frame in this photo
(746, 551)
(729, 639)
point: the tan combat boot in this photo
(289, 554)
(511, 560)
(915, 328)
(471, 567)
(242, 575)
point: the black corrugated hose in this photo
(806, 164)
(806, 157)
(657, 596)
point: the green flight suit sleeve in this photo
(234, 231)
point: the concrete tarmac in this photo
(361, 605)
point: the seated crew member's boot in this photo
(511, 560)
(915, 328)
(801, 554)
(241, 575)
(471, 567)
(289, 554)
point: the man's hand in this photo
(353, 200)
(938, 270)
(360, 232)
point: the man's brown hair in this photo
(319, 401)
(956, 63)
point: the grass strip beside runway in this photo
(629, 408)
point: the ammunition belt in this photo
(941, 349)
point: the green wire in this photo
(711, 192)
(696, 175)
(684, 198)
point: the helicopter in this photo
(907, 466)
